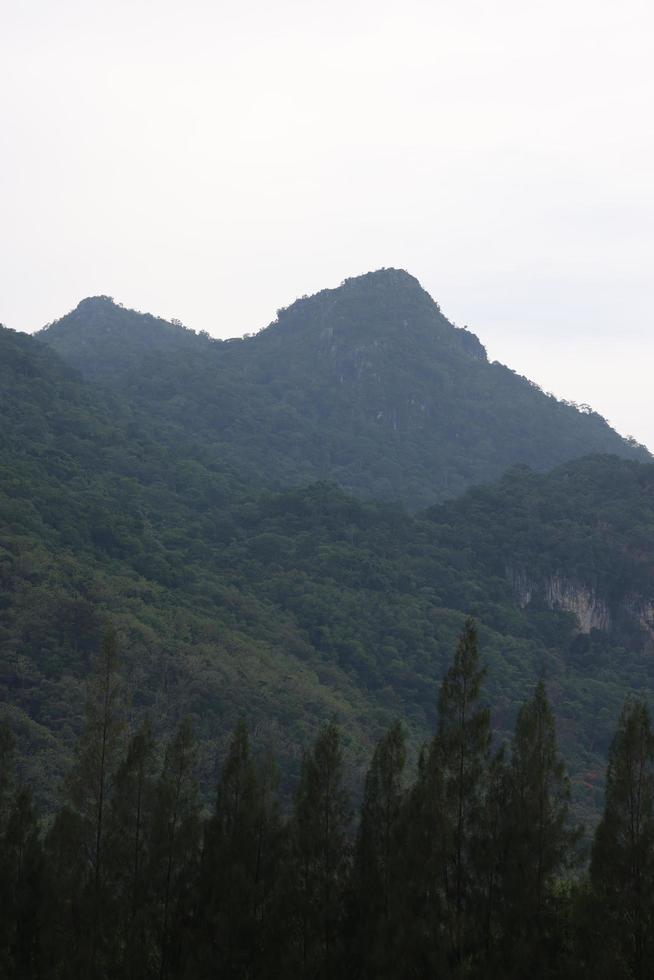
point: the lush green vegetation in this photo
(294, 607)
(367, 386)
(471, 868)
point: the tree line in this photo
(473, 869)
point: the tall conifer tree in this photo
(420, 947)
(540, 841)
(241, 867)
(622, 864)
(175, 851)
(21, 870)
(319, 860)
(22, 895)
(377, 868)
(461, 755)
(130, 825)
(491, 859)
(78, 837)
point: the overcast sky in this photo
(212, 161)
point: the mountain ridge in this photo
(367, 385)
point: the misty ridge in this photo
(346, 564)
(367, 385)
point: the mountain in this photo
(367, 386)
(99, 525)
(297, 606)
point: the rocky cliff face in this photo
(591, 610)
(642, 611)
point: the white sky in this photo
(213, 161)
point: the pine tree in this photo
(492, 856)
(622, 864)
(130, 823)
(376, 865)
(419, 946)
(175, 848)
(22, 872)
(319, 860)
(240, 866)
(461, 751)
(77, 839)
(540, 841)
(67, 924)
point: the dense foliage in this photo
(367, 386)
(472, 868)
(301, 606)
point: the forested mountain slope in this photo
(304, 605)
(368, 386)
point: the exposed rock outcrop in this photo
(591, 610)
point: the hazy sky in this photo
(212, 161)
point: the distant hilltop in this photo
(367, 385)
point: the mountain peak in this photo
(101, 332)
(392, 286)
(90, 303)
(384, 277)
(387, 306)
(103, 315)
